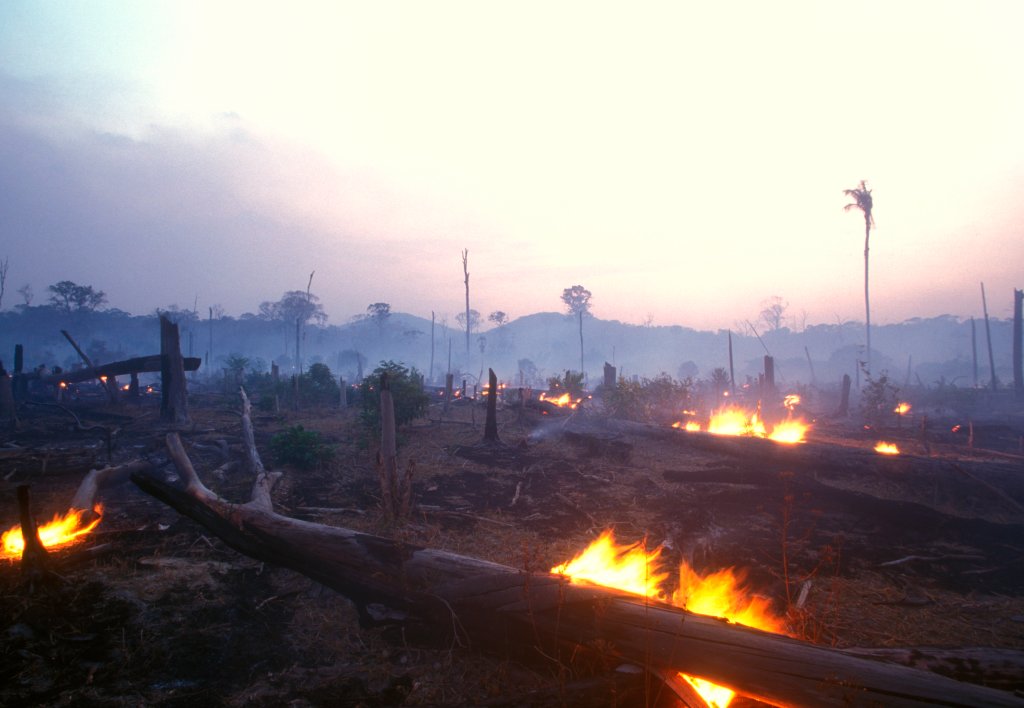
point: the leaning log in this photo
(496, 606)
(136, 365)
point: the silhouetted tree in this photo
(772, 312)
(378, 313)
(70, 297)
(499, 318)
(862, 200)
(468, 320)
(577, 302)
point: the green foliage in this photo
(571, 382)
(660, 399)
(300, 447)
(236, 362)
(318, 386)
(406, 384)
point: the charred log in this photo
(488, 604)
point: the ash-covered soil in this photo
(151, 609)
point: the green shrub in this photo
(660, 399)
(411, 401)
(300, 447)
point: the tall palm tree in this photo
(862, 200)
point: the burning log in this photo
(499, 606)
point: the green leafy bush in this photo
(660, 399)
(300, 447)
(411, 401)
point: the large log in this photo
(137, 365)
(492, 604)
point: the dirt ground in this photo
(150, 609)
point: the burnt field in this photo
(851, 549)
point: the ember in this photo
(902, 408)
(61, 531)
(636, 569)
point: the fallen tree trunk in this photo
(496, 605)
(138, 365)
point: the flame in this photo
(636, 569)
(902, 408)
(690, 426)
(789, 431)
(791, 401)
(886, 448)
(562, 401)
(59, 532)
(732, 420)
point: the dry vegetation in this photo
(151, 610)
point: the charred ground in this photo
(152, 610)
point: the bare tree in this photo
(26, 293)
(3, 278)
(773, 312)
(577, 302)
(469, 319)
(862, 200)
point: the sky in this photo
(683, 161)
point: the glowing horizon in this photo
(682, 163)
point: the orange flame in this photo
(902, 408)
(636, 569)
(61, 531)
(886, 448)
(563, 401)
(732, 420)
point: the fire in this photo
(791, 401)
(736, 421)
(886, 448)
(733, 420)
(59, 532)
(562, 401)
(902, 408)
(637, 570)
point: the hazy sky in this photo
(684, 161)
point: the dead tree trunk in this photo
(988, 338)
(492, 604)
(7, 407)
(35, 561)
(1018, 342)
(609, 376)
(844, 400)
(174, 391)
(491, 424)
